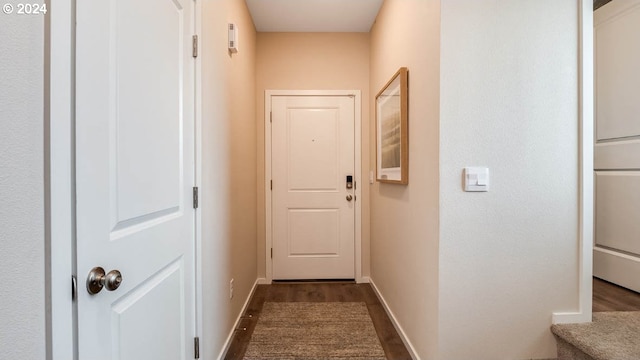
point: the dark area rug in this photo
(300, 330)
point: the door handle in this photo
(349, 197)
(97, 279)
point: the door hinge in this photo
(195, 46)
(196, 347)
(272, 253)
(195, 197)
(271, 184)
(74, 288)
(270, 116)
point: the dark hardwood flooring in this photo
(606, 297)
(393, 346)
(611, 297)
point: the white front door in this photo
(134, 178)
(617, 149)
(313, 205)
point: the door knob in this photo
(97, 279)
(349, 197)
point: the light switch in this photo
(482, 177)
(476, 179)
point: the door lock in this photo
(97, 279)
(349, 197)
(349, 181)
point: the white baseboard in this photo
(394, 321)
(363, 280)
(263, 281)
(616, 267)
(227, 343)
(570, 318)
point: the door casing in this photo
(583, 313)
(358, 172)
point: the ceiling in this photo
(320, 15)
(313, 15)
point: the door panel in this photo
(314, 232)
(617, 148)
(134, 175)
(137, 313)
(618, 199)
(312, 153)
(617, 155)
(147, 186)
(313, 134)
(617, 55)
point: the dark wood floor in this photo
(611, 297)
(318, 292)
(606, 297)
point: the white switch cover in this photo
(476, 179)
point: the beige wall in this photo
(509, 101)
(404, 219)
(228, 164)
(312, 61)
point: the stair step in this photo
(611, 336)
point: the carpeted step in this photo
(611, 336)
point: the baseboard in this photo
(394, 321)
(570, 318)
(227, 343)
(363, 280)
(263, 281)
(616, 267)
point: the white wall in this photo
(509, 101)
(22, 298)
(228, 170)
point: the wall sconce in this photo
(233, 38)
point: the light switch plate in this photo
(476, 178)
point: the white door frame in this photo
(358, 171)
(59, 155)
(586, 175)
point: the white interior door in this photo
(617, 148)
(134, 177)
(313, 208)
